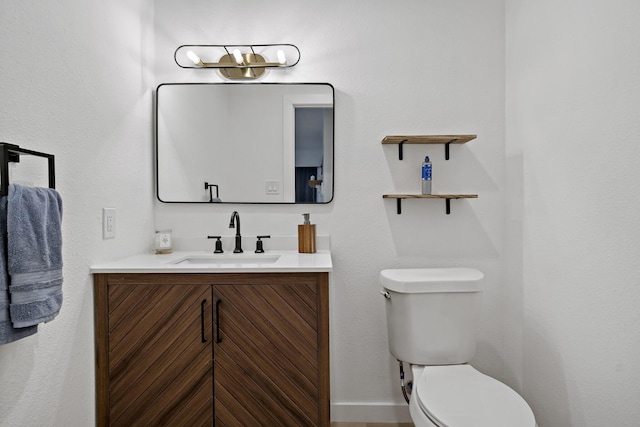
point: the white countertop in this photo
(208, 262)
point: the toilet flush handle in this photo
(385, 294)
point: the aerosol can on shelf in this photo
(426, 176)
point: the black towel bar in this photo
(11, 153)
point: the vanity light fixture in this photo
(238, 61)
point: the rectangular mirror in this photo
(244, 142)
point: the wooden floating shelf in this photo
(400, 140)
(428, 139)
(447, 197)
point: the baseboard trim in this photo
(370, 412)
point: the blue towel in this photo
(34, 246)
(7, 332)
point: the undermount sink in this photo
(227, 260)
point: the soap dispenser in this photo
(306, 236)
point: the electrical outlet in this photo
(273, 187)
(108, 223)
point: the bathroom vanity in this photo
(189, 338)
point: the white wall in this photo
(453, 83)
(554, 228)
(573, 102)
(74, 83)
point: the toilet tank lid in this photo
(430, 280)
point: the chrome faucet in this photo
(235, 217)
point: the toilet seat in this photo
(460, 396)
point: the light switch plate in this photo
(273, 187)
(108, 223)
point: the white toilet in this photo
(432, 316)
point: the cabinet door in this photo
(160, 355)
(266, 355)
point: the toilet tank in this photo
(432, 314)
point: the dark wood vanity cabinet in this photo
(205, 349)
(158, 371)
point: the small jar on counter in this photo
(162, 244)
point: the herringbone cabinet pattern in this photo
(212, 349)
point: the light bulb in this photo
(281, 58)
(238, 56)
(194, 58)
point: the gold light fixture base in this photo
(243, 71)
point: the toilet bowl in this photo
(461, 396)
(432, 317)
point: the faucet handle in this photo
(259, 248)
(218, 244)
